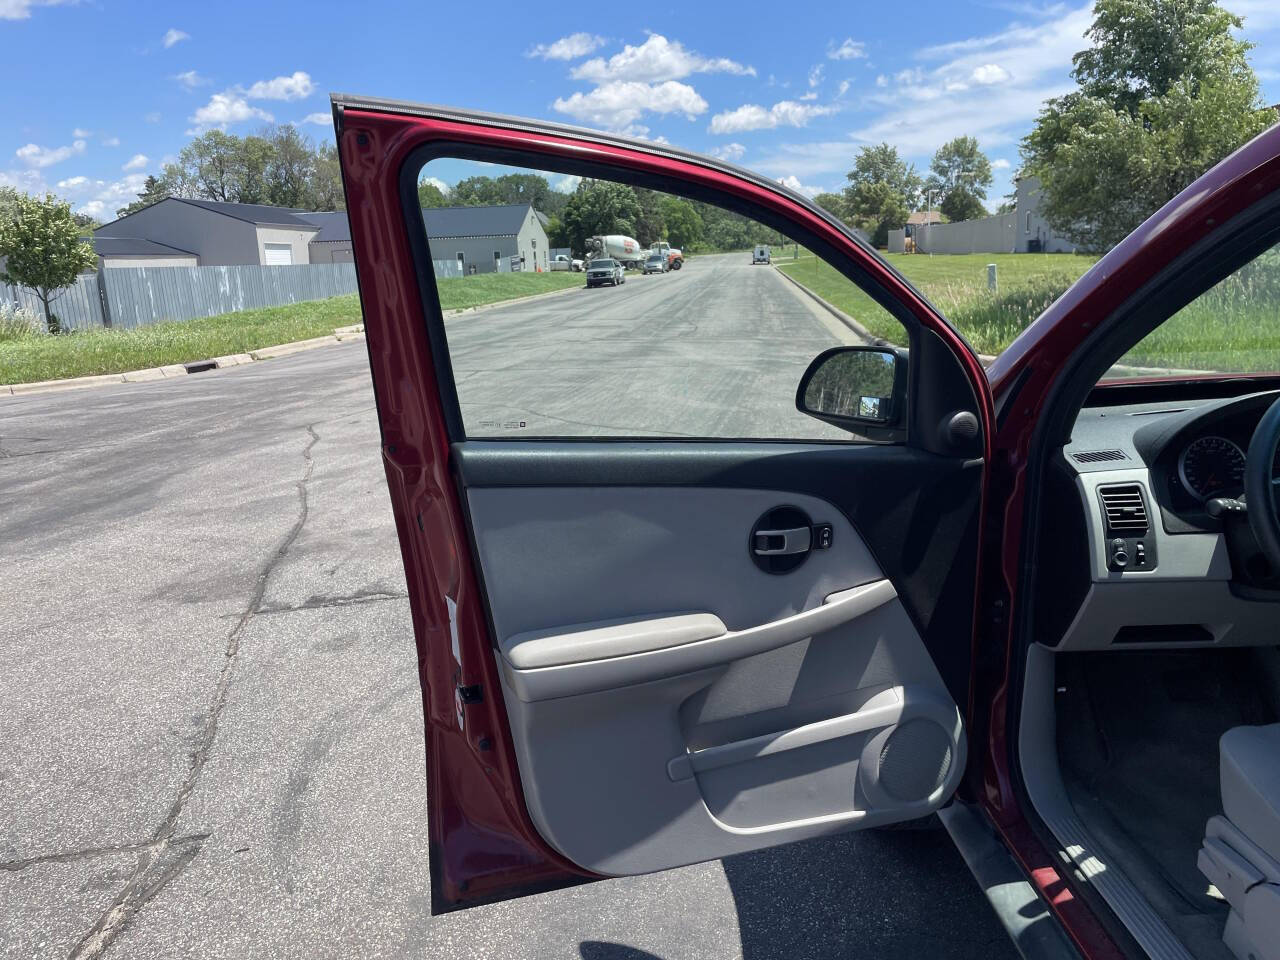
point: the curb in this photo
(175, 370)
(835, 311)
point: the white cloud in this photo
(882, 80)
(174, 35)
(72, 183)
(437, 183)
(733, 152)
(811, 95)
(152, 117)
(989, 73)
(136, 162)
(80, 133)
(321, 118)
(849, 50)
(815, 75)
(224, 109)
(190, 79)
(793, 183)
(21, 9)
(655, 60)
(1000, 164)
(844, 88)
(294, 87)
(567, 48)
(751, 116)
(115, 141)
(617, 106)
(39, 157)
(566, 184)
(101, 198)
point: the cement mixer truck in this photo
(625, 250)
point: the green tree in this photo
(600, 207)
(251, 174)
(1166, 93)
(833, 203)
(684, 225)
(1143, 48)
(960, 175)
(289, 170)
(429, 195)
(43, 250)
(327, 186)
(153, 191)
(883, 190)
(211, 161)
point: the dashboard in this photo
(1151, 565)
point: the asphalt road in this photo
(210, 725)
(714, 350)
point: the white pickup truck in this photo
(561, 262)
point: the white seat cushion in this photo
(1250, 770)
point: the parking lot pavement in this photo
(210, 725)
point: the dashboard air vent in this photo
(1124, 508)
(1098, 456)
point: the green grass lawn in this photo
(1234, 327)
(457, 292)
(25, 359)
(957, 285)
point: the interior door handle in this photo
(776, 543)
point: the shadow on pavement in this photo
(881, 894)
(603, 950)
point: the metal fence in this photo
(137, 296)
(77, 307)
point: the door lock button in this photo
(823, 536)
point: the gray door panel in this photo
(724, 746)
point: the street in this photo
(210, 721)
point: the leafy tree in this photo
(212, 161)
(684, 226)
(651, 224)
(326, 186)
(429, 195)
(153, 191)
(1143, 48)
(530, 188)
(883, 190)
(557, 234)
(251, 174)
(290, 166)
(1166, 94)
(600, 207)
(833, 203)
(43, 250)
(961, 174)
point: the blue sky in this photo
(107, 91)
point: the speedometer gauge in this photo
(1212, 467)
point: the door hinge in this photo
(471, 694)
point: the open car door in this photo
(647, 639)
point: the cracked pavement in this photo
(210, 725)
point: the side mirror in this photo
(859, 389)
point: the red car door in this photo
(640, 649)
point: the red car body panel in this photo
(488, 847)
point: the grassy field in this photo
(457, 292)
(1234, 327)
(36, 356)
(957, 285)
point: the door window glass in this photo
(1233, 327)
(713, 348)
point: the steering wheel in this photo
(1259, 490)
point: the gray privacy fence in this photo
(137, 296)
(78, 306)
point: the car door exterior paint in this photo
(480, 826)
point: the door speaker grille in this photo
(914, 760)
